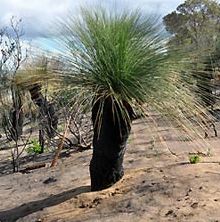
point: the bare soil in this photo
(159, 183)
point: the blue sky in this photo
(39, 16)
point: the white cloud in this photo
(39, 16)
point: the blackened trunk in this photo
(109, 143)
(46, 110)
(16, 116)
(41, 140)
(17, 121)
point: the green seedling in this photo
(193, 159)
(35, 147)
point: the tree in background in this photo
(47, 113)
(209, 78)
(16, 81)
(11, 96)
(11, 58)
(194, 27)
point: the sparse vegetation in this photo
(193, 159)
(34, 147)
(116, 70)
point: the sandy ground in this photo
(157, 186)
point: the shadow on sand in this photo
(34, 206)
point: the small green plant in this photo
(193, 159)
(35, 147)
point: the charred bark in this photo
(109, 143)
(47, 111)
(16, 116)
(17, 120)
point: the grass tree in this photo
(32, 79)
(119, 60)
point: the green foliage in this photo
(117, 55)
(35, 147)
(193, 159)
(195, 24)
(124, 56)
